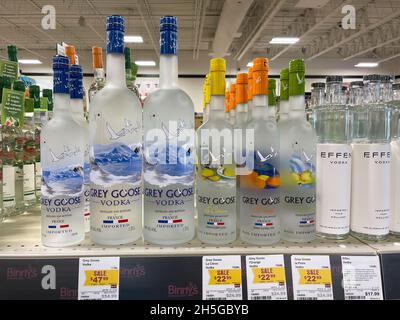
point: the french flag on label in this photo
(263, 224)
(86, 214)
(212, 223)
(169, 221)
(115, 221)
(307, 221)
(61, 226)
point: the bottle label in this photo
(38, 177)
(8, 186)
(115, 189)
(333, 188)
(395, 187)
(370, 190)
(29, 182)
(260, 199)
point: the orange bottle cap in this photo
(227, 97)
(70, 53)
(241, 88)
(250, 86)
(232, 99)
(97, 57)
(260, 76)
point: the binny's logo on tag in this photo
(190, 290)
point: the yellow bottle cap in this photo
(208, 88)
(241, 88)
(217, 72)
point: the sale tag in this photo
(222, 278)
(312, 278)
(266, 279)
(362, 278)
(98, 278)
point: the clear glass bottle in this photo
(207, 94)
(99, 77)
(77, 111)
(332, 121)
(258, 190)
(395, 161)
(242, 106)
(216, 181)
(115, 141)
(297, 146)
(370, 202)
(168, 115)
(317, 99)
(284, 106)
(62, 148)
(272, 99)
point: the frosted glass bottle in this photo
(284, 106)
(297, 146)
(271, 100)
(76, 95)
(62, 148)
(115, 142)
(168, 120)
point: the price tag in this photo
(98, 278)
(362, 278)
(266, 278)
(312, 279)
(222, 278)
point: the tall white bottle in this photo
(297, 146)
(258, 193)
(115, 142)
(76, 95)
(216, 181)
(168, 119)
(62, 159)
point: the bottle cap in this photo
(168, 35)
(75, 82)
(60, 62)
(356, 84)
(217, 76)
(12, 53)
(372, 77)
(386, 79)
(227, 96)
(19, 85)
(271, 92)
(70, 53)
(127, 52)
(34, 93)
(60, 77)
(334, 79)
(232, 99)
(284, 84)
(29, 105)
(250, 86)
(115, 34)
(296, 77)
(208, 88)
(260, 76)
(396, 86)
(97, 56)
(241, 88)
(319, 85)
(115, 23)
(47, 93)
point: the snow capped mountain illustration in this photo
(62, 181)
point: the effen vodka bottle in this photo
(333, 163)
(168, 118)
(62, 148)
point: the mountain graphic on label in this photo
(128, 128)
(67, 153)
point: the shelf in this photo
(20, 238)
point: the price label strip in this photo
(222, 278)
(98, 278)
(362, 278)
(266, 278)
(312, 278)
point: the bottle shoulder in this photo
(169, 98)
(110, 96)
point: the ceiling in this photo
(238, 29)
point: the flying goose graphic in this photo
(128, 128)
(171, 135)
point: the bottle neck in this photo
(77, 109)
(284, 107)
(116, 69)
(168, 71)
(61, 105)
(297, 107)
(99, 74)
(334, 93)
(260, 107)
(317, 97)
(387, 92)
(217, 107)
(356, 95)
(372, 92)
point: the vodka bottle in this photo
(115, 140)
(250, 93)
(168, 115)
(297, 146)
(395, 161)
(29, 157)
(76, 95)
(129, 72)
(62, 148)
(99, 78)
(232, 104)
(207, 98)
(259, 189)
(48, 93)
(272, 99)
(134, 71)
(227, 102)
(317, 100)
(216, 181)
(241, 100)
(284, 96)
(370, 202)
(333, 163)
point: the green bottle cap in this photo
(296, 77)
(29, 105)
(284, 84)
(19, 85)
(12, 53)
(271, 92)
(127, 52)
(34, 93)
(48, 93)
(134, 69)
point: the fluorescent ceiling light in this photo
(144, 63)
(133, 39)
(284, 40)
(250, 64)
(366, 64)
(29, 61)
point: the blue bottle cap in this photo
(60, 77)
(75, 82)
(115, 26)
(168, 35)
